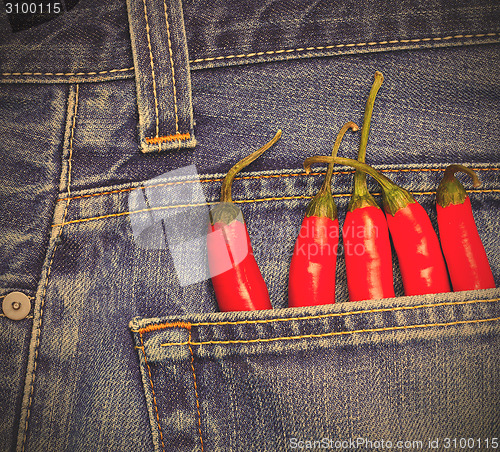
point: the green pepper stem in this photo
(394, 197)
(360, 187)
(228, 180)
(450, 190)
(449, 174)
(327, 183)
(384, 181)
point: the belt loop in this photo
(162, 73)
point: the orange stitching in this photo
(152, 68)
(175, 137)
(153, 393)
(195, 391)
(340, 333)
(150, 328)
(9, 74)
(338, 46)
(319, 316)
(47, 277)
(239, 201)
(173, 71)
(264, 176)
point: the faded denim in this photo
(117, 354)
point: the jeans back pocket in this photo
(399, 370)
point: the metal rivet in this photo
(16, 306)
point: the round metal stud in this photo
(16, 306)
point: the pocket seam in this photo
(188, 325)
(152, 392)
(331, 334)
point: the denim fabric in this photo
(378, 371)
(86, 370)
(162, 75)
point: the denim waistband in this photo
(91, 42)
(159, 42)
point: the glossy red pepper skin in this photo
(314, 260)
(311, 279)
(464, 252)
(421, 260)
(367, 247)
(368, 257)
(236, 278)
(463, 249)
(419, 253)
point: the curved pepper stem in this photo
(360, 177)
(323, 205)
(327, 183)
(394, 197)
(226, 211)
(225, 195)
(450, 190)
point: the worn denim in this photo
(113, 110)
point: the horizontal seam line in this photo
(315, 317)
(66, 74)
(343, 314)
(333, 333)
(265, 176)
(339, 46)
(238, 201)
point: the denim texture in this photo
(86, 370)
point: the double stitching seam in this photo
(174, 89)
(248, 55)
(65, 74)
(151, 59)
(265, 176)
(343, 314)
(157, 327)
(153, 392)
(195, 390)
(177, 136)
(339, 46)
(334, 333)
(240, 201)
(47, 278)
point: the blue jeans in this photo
(118, 122)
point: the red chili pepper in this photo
(367, 247)
(311, 280)
(465, 255)
(420, 258)
(236, 278)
